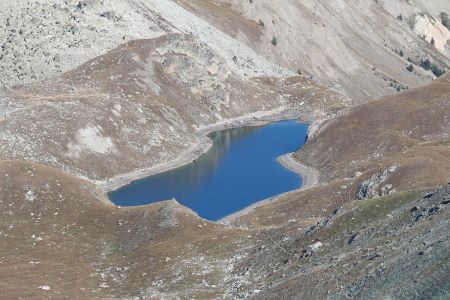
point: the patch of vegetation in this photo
(445, 20)
(400, 18)
(274, 41)
(361, 213)
(261, 23)
(437, 71)
(399, 52)
(426, 64)
(410, 68)
(391, 82)
(397, 85)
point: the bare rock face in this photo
(336, 42)
(41, 39)
(373, 187)
(359, 48)
(195, 65)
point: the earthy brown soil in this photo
(59, 237)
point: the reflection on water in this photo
(238, 170)
(209, 162)
(197, 172)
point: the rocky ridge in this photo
(141, 104)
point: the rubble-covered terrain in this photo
(142, 104)
(96, 93)
(364, 49)
(40, 39)
(390, 247)
(361, 48)
(376, 226)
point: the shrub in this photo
(437, 71)
(274, 41)
(425, 64)
(445, 20)
(410, 68)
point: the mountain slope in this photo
(143, 81)
(41, 39)
(144, 104)
(380, 233)
(352, 46)
(434, 8)
(315, 243)
(361, 48)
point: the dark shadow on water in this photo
(239, 170)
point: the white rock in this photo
(90, 139)
(316, 246)
(30, 196)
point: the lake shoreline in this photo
(204, 144)
(310, 175)
(310, 178)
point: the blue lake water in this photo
(239, 170)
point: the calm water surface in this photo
(239, 170)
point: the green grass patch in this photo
(362, 212)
